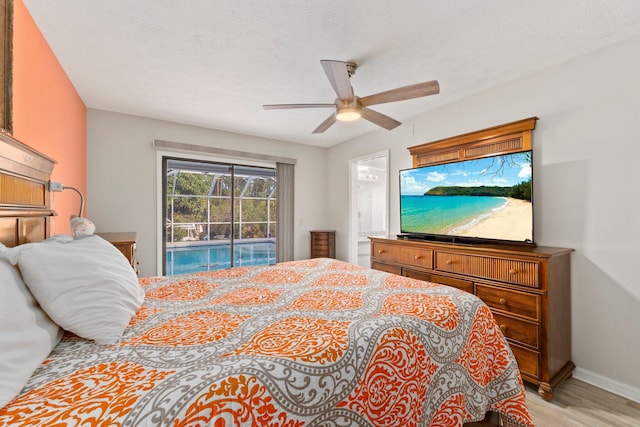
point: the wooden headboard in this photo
(25, 209)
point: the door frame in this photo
(159, 188)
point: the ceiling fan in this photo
(349, 107)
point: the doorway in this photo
(368, 204)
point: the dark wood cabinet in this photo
(323, 244)
(528, 290)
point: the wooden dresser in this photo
(323, 244)
(527, 288)
(126, 243)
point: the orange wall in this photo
(48, 114)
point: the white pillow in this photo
(87, 286)
(27, 334)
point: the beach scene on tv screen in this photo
(487, 198)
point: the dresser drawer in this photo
(506, 270)
(464, 285)
(528, 361)
(515, 302)
(416, 257)
(385, 252)
(320, 245)
(518, 330)
(320, 238)
(321, 241)
(388, 268)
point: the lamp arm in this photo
(66, 187)
(58, 186)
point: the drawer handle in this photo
(417, 257)
(448, 262)
(513, 271)
(503, 301)
(503, 328)
(381, 251)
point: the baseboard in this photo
(624, 390)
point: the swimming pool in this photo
(193, 259)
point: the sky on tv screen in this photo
(503, 171)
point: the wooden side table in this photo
(323, 244)
(126, 243)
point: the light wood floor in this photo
(578, 404)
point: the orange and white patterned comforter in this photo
(307, 343)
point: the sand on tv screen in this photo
(487, 198)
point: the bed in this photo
(315, 342)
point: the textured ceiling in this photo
(213, 63)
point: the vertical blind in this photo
(285, 176)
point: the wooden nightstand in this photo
(323, 244)
(126, 243)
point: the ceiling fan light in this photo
(348, 114)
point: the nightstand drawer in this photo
(514, 302)
(125, 242)
(503, 269)
(518, 330)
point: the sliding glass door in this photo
(217, 215)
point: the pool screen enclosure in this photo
(208, 203)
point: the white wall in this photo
(122, 176)
(586, 150)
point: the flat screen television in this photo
(470, 201)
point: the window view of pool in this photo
(193, 259)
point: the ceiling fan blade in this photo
(326, 124)
(379, 119)
(338, 76)
(287, 106)
(400, 94)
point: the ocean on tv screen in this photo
(468, 216)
